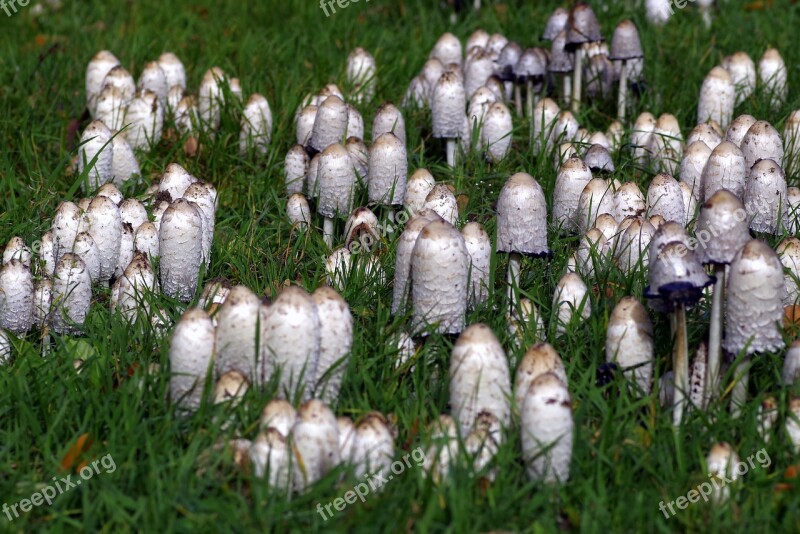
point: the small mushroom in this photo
(629, 342)
(330, 124)
(448, 105)
(738, 128)
(721, 463)
(336, 340)
(388, 169)
(336, 181)
(96, 152)
(191, 351)
(373, 446)
(570, 300)
(256, 126)
(479, 247)
(72, 294)
(315, 444)
(16, 297)
(145, 119)
(772, 76)
(546, 428)
(582, 28)
(789, 252)
(625, 45)
(237, 334)
(572, 178)
(272, 457)
(765, 198)
(743, 74)
(665, 198)
(361, 75)
(693, 163)
(726, 169)
(389, 119)
(298, 211)
(717, 97)
(762, 141)
(96, 71)
(418, 187)
(539, 359)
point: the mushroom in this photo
(582, 28)
(126, 250)
(439, 278)
(146, 241)
(330, 124)
(124, 166)
(418, 187)
(658, 12)
(336, 182)
(373, 447)
(180, 244)
(629, 342)
(96, 71)
(42, 302)
(104, 223)
(448, 105)
(562, 61)
(442, 200)
(765, 198)
(145, 119)
(86, 248)
(628, 201)
(211, 97)
(315, 444)
(447, 49)
(666, 144)
(539, 359)
(641, 134)
(572, 178)
(625, 45)
(496, 132)
(304, 124)
(570, 300)
(16, 297)
(709, 133)
(479, 247)
(738, 128)
(698, 395)
(754, 310)
(97, 154)
(129, 294)
(789, 252)
(347, 437)
(631, 244)
(5, 348)
(726, 169)
(717, 97)
(743, 74)
(677, 280)
(791, 141)
(531, 69)
(545, 115)
(721, 463)
(793, 424)
(173, 69)
(443, 448)
(16, 249)
(388, 169)
(355, 123)
(153, 79)
(237, 334)
(361, 76)
(191, 351)
(335, 342)
(761, 141)
(72, 294)
(272, 457)
(693, 163)
(389, 119)
(521, 224)
(480, 381)
(665, 198)
(772, 76)
(766, 417)
(546, 428)
(256, 125)
(204, 197)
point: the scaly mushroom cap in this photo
(676, 275)
(330, 123)
(96, 71)
(721, 228)
(480, 381)
(42, 302)
(761, 141)
(625, 43)
(256, 125)
(507, 60)
(629, 342)
(667, 233)
(539, 359)
(530, 66)
(640, 136)
(295, 166)
(298, 210)
(754, 308)
(338, 268)
(388, 169)
(122, 80)
(546, 428)
(16, 249)
(96, 143)
(571, 179)
(191, 351)
(86, 248)
(717, 97)
(214, 293)
(522, 319)
(153, 79)
(133, 212)
(181, 249)
(665, 198)
(336, 341)
(765, 198)
(693, 163)
(442, 200)
(496, 131)
(545, 115)
(126, 250)
(596, 198)
(173, 69)
(478, 38)
(629, 201)
(789, 252)
(304, 124)
(146, 241)
(448, 106)
(237, 342)
(556, 23)
(431, 72)
(666, 144)
(110, 108)
(16, 297)
(130, 290)
(418, 187)
(336, 182)
(582, 26)
(439, 278)
(405, 247)
(211, 98)
(571, 299)
(389, 119)
(355, 123)
(290, 341)
(104, 223)
(565, 129)
(361, 69)
(743, 74)
(278, 414)
(373, 446)
(607, 224)
(315, 440)
(359, 159)
(726, 169)
(561, 60)
(447, 49)
(522, 217)
(145, 117)
(72, 294)
(592, 253)
(476, 71)
(479, 247)
(772, 75)
(175, 181)
(709, 133)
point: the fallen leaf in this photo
(74, 453)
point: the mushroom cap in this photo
(478, 38)
(336, 340)
(667, 233)
(546, 429)
(571, 297)
(765, 197)
(572, 177)
(625, 43)
(721, 228)
(388, 169)
(561, 60)
(447, 49)
(556, 23)
(295, 166)
(237, 332)
(738, 128)
(582, 26)
(598, 159)
(418, 187)
(677, 276)
(726, 168)
(330, 123)
(496, 131)
(762, 141)
(504, 66)
(389, 119)
(448, 106)
(693, 163)
(665, 198)
(190, 353)
(789, 252)
(629, 201)
(709, 133)
(405, 247)
(596, 198)
(717, 97)
(754, 307)
(530, 65)
(181, 249)
(442, 200)
(16, 297)
(629, 341)
(522, 217)
(539, 359)
(336, 181)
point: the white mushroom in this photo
(315, 440)
(335, 342)
(72, 294)
(629, 342)
(546, 428)
(181, 249)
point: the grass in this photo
(626, 459)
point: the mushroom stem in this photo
(529, 98)
(327, 231)
(513, 276)
(680, 364)
(715, 335)
(741, 376)
(451, 152)
(45, 341)
(567, 89)
(477, 5)
(518, 98)
(623, 92)
(576, 80)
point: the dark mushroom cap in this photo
(507, 61)
(555, 23)
(598, 159)
(582, 26)
(530, 65)
(561, 60)
(625, 43)
(677, 276)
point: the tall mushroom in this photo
(336, 181)
(625, 45)
(448, 109)
(582, 28)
